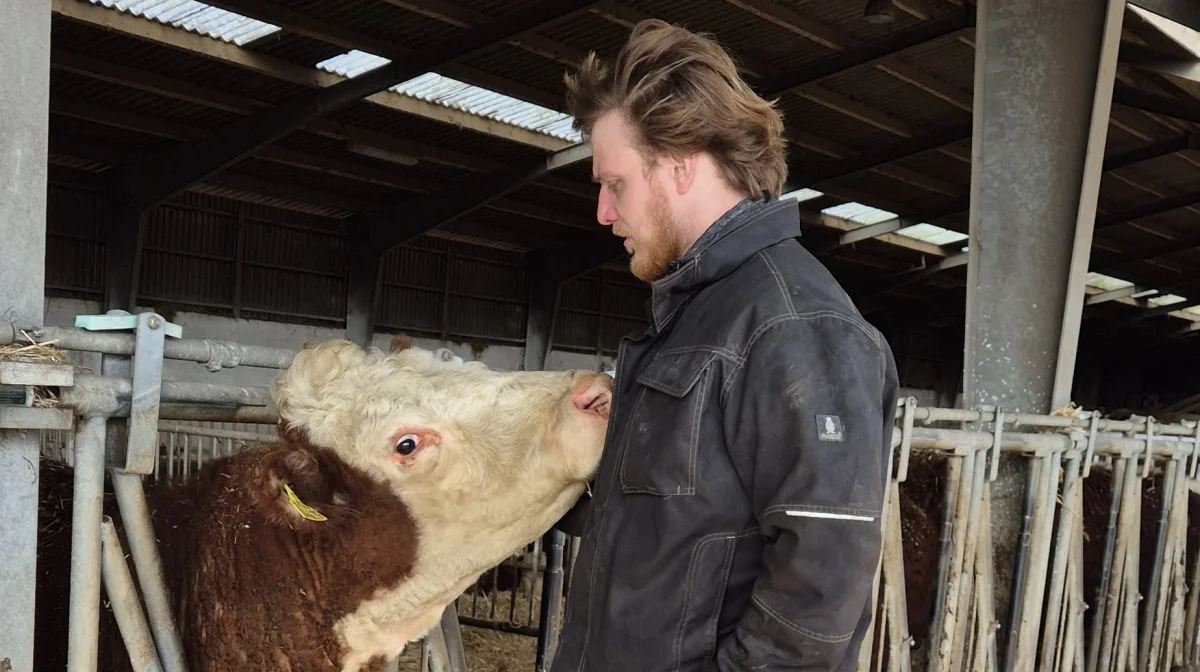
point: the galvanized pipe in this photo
(215, 354)
(552, 585)
(118, 585)
(1039, 551)
(1058, 580)
(957, 415)
(135, 513)
(946, 644)
(1020, 566)
(86, 510)
(1118, 479)
(107, 394)
(954, 474)
(1160, 547)
(1111, 634)
(967, 594)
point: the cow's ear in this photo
(304, 488)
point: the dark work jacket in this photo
(734, 523)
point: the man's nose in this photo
(606, 214)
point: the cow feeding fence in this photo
(128, 421)
(1107, 574)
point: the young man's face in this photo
(634, 199)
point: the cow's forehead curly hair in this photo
(681, 94)
(329, 391)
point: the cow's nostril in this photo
(595, 397)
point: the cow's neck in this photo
(452, 553)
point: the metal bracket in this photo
(1195, 453)
(119, 320)
(1090, 453)
(906, 431)
(1149, 447)
(997, 436)
(151, 330)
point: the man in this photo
(734, 523)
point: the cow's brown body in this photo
(254, 591)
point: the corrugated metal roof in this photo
(440, 90)
(195, 17)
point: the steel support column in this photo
(24, 143)
(123, 258)
(1043, 83)
(365, 259)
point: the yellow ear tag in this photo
(302, 508)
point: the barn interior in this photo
(283, 172)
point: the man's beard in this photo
(649, 263)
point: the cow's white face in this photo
(492, 457)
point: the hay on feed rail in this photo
(37, 353)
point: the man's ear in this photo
(683, 172)
(304, 488)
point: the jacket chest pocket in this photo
(664, 428)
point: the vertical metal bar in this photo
(552, 585)
(1020, 565)
(944, 651)
(142, 442)
(135, 514)
(1039, 553)
(452, 636)
(118, 585)
(1156, 570)
(86, 510)
(1054, 637)
(1085, 218)
(967, 593)
(954, 474)
(1116, 581)
(1101, 598)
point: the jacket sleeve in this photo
(573, 521)
(808, 424)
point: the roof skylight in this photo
(195, 17)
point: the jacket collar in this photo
(749, 227)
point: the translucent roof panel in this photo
(1106, 282)
(195, 17)
(440, 90)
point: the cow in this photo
(397, 479)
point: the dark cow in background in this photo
(396, 481)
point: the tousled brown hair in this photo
(681, 94)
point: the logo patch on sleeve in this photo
(829, 428)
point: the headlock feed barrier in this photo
(1106, 575)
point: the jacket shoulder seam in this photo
(779, 283)
(789, 318)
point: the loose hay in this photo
(38, 353)
(490, 650)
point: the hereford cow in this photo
(397, 480)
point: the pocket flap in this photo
(676, 372)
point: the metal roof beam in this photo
(146, 30)
(900, 150)
(1149, 210)
(1184, 12)
(323, 31)
(454, 201)
(1149, 102)
(871, 52)
(163, 176)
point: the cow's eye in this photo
(407, 444)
